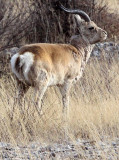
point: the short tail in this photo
(21, 65)
(17, 66)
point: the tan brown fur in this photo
(53, 54)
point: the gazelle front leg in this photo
(64, 89)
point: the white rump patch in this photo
(13, 61)
(26, 59)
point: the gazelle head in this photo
(87, 28)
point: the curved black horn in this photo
(77, 11)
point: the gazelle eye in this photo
(91, 28)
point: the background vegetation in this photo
(94, 99)
(41, 21)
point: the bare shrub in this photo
(15, 24)
(41, 21)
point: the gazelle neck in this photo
(83, 46)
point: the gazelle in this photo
(42, 65)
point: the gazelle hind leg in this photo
(39, 93)
(40, 89)
(21, 90)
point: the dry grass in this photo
(93, 108)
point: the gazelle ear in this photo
(78, 19)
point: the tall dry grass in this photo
(93, 110)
